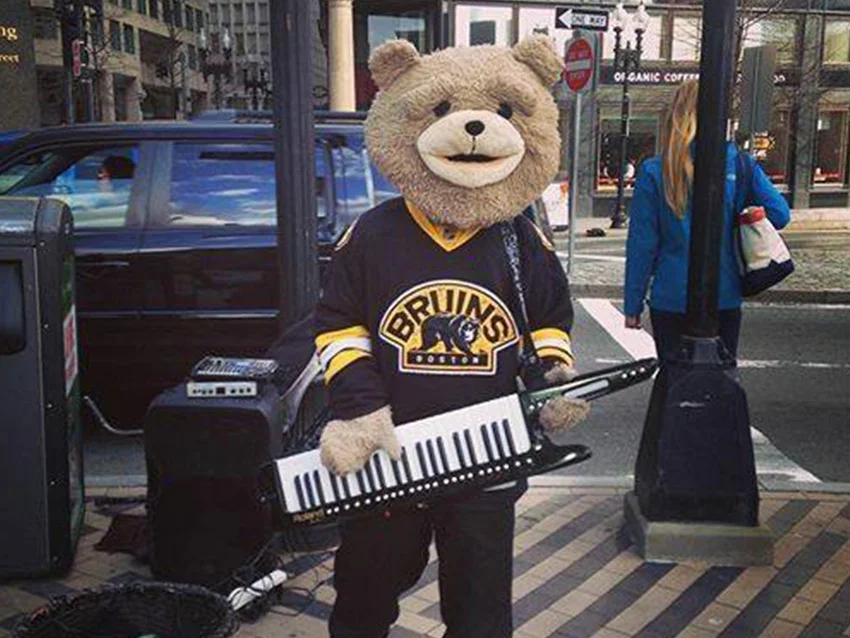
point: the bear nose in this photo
(474, 127)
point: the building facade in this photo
(144, 61)
(246, 23)
(805, 152)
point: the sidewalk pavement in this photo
(820, 247)
(576, 574)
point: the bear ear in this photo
(537, 52)
(390, 60)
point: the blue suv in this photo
(176, 240)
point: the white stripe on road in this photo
(759, 364)
(614, 258)
(771, 463)
(638, 343)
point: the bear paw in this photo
(559, 374)
(345, 446)
(561, 414)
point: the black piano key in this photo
(494, 428)
(422, 463)
(299, 492)
(397, 471)
(379, 473)
(309, 488)
(460, 455)
(432, 456)
(319, 491)
(443, 456)
(335, 487)
(469, 444)
(370, 480)
(345, 488)
(406, 465)
(509, 437)
(487, 447)
(359, 475)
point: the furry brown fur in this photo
(561, 414)
(347, 445)
(559, 374)
(480, 80)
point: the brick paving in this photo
(576, 574)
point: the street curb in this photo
(825, 297)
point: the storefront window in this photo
(642, 144)
(540, 20)
(831, 148)
(836, 48)
(651, 40)
(687, 35)
(781, 32)
(373, 27)
(483, 25)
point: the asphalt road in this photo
(795, 368)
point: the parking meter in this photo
(41, 472)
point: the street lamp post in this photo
(626, 60)
(256, 86)
(216, 64)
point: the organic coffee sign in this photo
(17, 67)
(672, 76)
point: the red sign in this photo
(578, 64)
(76, 53)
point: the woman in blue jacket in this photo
(660, 230)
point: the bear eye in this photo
(505, 111)
(442, 108)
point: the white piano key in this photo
(385, 462)
(327, 489)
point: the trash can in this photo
(41, 473)
(161, 610)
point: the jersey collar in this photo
(445, 237)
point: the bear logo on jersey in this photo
(454, 331)
(448, 327)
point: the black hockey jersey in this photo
(422, 317)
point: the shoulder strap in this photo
(528, 354)
(743, 181)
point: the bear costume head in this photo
(469, 135)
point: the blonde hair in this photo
(677, 163)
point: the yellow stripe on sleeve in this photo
(550, 333)
(327, 338)
(342, 361)
(556, 353)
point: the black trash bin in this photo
(134, 610)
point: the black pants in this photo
(381, 558)
(668, 328)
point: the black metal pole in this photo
(292, 70)
(716, 71)
(619, 218)
(696, 460)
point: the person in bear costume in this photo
(420, 311)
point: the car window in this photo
(233, 183)
(353, 188)
(96, 183)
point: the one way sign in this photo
(590, 19)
